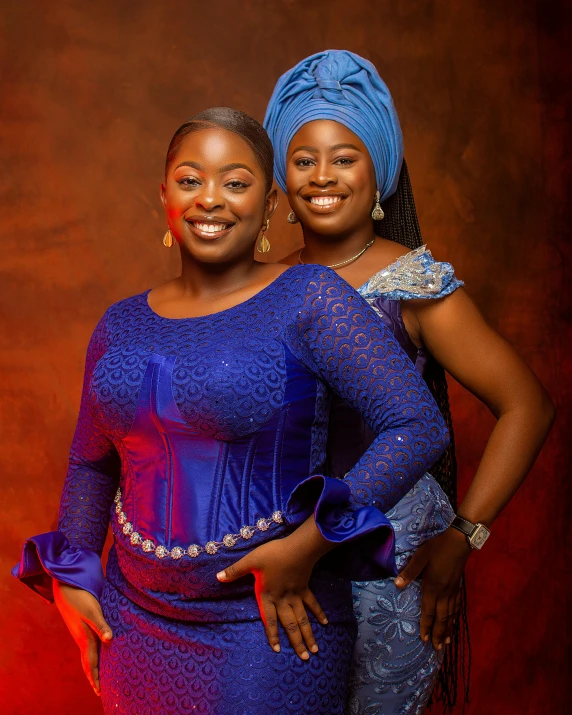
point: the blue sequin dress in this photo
(393, 671)
(202, 438)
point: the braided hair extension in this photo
(401, 225)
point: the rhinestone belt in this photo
(211, 547)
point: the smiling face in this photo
(330, 179)
(215, 196)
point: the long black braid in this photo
(401, 225)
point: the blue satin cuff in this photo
(365, 536)
(49, 556)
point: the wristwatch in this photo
(476, 534)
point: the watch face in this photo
(479, 536)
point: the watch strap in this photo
(476, 534)
(463, 525)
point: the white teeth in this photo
(210, 227)
(325, 200)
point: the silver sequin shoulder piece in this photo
(416, 273)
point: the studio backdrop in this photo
(90, 96)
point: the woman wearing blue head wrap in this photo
(345, 88)
(339, 157)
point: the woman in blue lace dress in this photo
(201, 434)
(339, 157)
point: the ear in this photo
(271, 204)
(162, 195)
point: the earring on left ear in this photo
(263, 244)
(377, 213)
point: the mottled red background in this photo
(90, 95)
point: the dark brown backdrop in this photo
(91, 93)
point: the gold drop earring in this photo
(292, 218)
(168, 239)
(263, 244)
(377, 213)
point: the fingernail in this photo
(440, 646)
(399, 582)
(305, 655)
(221, 575)
(447, 640)
(107, 636)
(314, 648)
(325, 621)
(276, 648)
(425, 638)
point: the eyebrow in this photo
(192, 164)
(231, 167)
(222, 170)
(315, 150)
(344, 146)
(312, 149)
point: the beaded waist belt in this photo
(211, 547)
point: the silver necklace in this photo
(342, 263)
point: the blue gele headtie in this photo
(344, 87)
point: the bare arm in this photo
(456, 334)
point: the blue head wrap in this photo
(337, 85)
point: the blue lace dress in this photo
(394, 672)
(203, 438)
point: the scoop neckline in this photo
(145, 296)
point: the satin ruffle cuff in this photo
(365, 537)
(49, 556)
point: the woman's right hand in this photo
(83, 616)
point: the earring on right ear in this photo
(377, 213)
(168, 239)
(292, 218)
(262, 243)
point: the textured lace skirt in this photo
(393, 671)
(160, 665)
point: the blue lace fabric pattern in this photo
(203, 438)
(393, 671)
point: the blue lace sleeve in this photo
(94, 466)
(71, 554)
(341, 339)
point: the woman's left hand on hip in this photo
(281, 574)
(442, 562)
